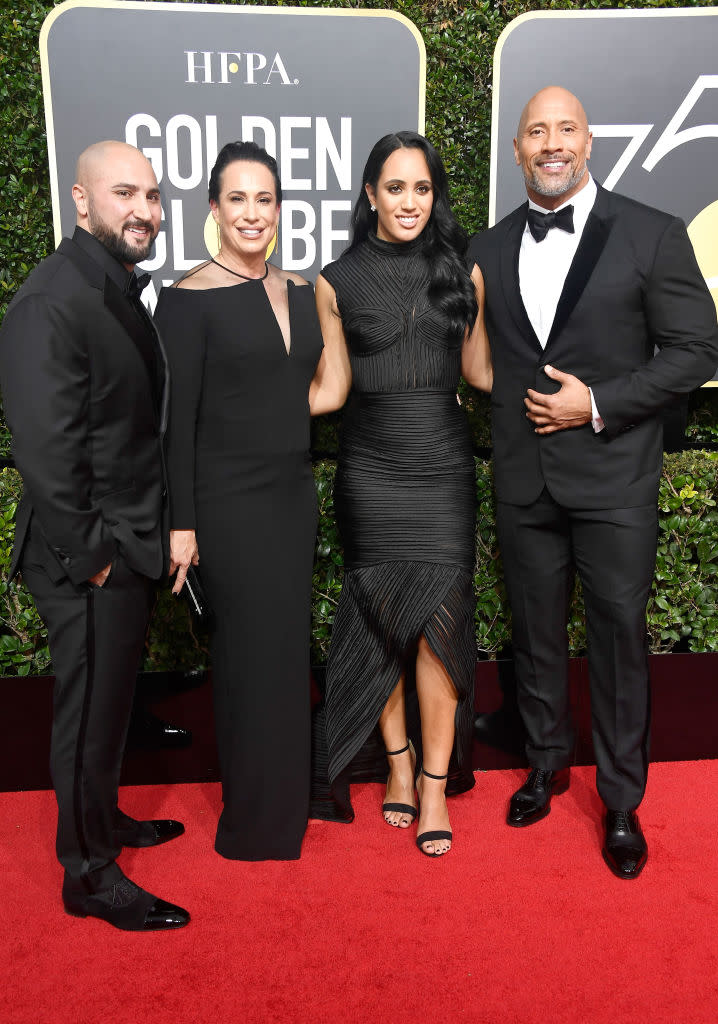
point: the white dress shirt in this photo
(543, 267)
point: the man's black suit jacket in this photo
(84, 390)
(634, 284)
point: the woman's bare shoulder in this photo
(203, 276)
(296, 279)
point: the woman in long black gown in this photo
(397, 312)
(243, 342)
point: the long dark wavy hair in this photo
(445, 241)
(248, 151)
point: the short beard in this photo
(116, 244)
(534, 183)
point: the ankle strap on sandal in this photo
(430, 776)
(391, 753)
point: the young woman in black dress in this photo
(243, 341)
(399, 317)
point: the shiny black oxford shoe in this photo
(624, 849)
(139, 834)
(532, 801)
(124, 905)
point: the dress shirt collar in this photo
(103, 257)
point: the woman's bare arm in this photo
(333, 377)
(476, 366)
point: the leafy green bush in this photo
(491, 616)
(681, 609)
(683, 600)
(328, 563)
(23, 637)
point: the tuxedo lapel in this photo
(91, 271)
(593, 240)
(119, 305)
(141, 328)
(510, 276)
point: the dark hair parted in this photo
(445, 241)
(248, 151)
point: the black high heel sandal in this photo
(429, 837)
(401, 808)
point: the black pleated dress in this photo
(240, 474)
(405, 497)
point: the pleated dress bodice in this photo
(404, 433)
(398, 340)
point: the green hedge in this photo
(682, 607)
(459, 40)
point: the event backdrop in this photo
(649, 83)
(316, 87)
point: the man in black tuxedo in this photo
(580, 286)
(84, 386)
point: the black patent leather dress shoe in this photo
(624, 849)
(532, 801)
(149, 833)
(124, 905)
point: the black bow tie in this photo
(136, 283)
(541, 223)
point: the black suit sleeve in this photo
(45, 371)
(681, 321)
(178, 317)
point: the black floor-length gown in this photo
(240, 474)
(405, 497)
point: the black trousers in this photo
(614, 553)
(96, 635)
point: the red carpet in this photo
(513, 927)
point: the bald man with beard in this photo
(84, 383)
(581, 286)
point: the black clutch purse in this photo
(199, 606)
